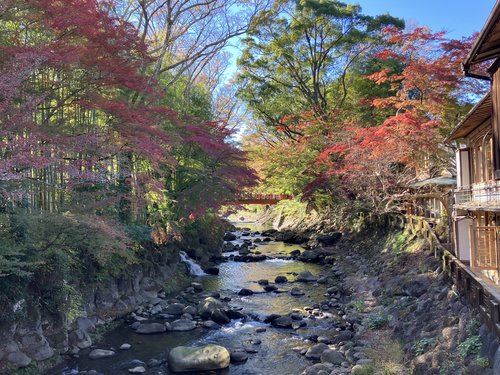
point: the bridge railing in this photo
(258, 196)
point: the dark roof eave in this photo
(455, 134)
(491, 22)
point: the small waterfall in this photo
(194, 268)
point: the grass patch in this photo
(387, 354)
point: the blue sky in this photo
(459, 17)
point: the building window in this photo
(483, 158)
(484, 239)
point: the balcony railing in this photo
(478, 194)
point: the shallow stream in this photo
(279, 351)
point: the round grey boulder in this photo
(205, 358)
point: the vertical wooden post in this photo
(495, 116)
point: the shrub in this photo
(377, 321)
(421, 346)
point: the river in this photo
(279, 350)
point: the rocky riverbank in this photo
(400, 314)
(384, 307)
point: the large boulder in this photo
(205, 358)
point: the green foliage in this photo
(483, 362)
(421, 346)
(207, 230)
(377, 321)
(470, 346)
(359, 305)
(54, 255)
(176, 283)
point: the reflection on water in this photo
(277, 354)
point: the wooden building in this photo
(476, 211)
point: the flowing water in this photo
(278, 353)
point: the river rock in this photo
(298, 324)
(229, 237)
(182, 325)
(19, 359)
(101, 353)
(306, 276)
(280, 279)
(137, 370)
(263, 282)
(191, 310)
(318, 369)
(270, 288)
(311, 256)
(238, 356)
(208, 305)
(296, 292)
(197, 286)
(291, 237)
(125, 346)
(210, 324)
(219, 316)
(282, 322)
(79, 339)
(212, 270)
(209, 357)
(329, 239)
(151, 328)
(269, 232)
(174, 309)
(332, 356)
(295, 253)
(245, 292)
(234, 314)
(314, 352)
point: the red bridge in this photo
(252, 198)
